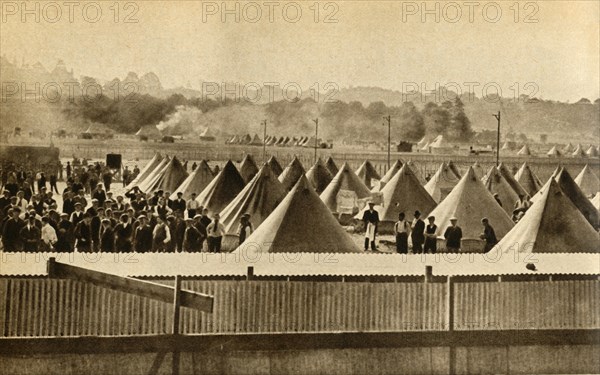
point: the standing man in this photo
(453, 236)
(401, 228)
(107, 236)
(215, 231)
(192, 206)
(191, 237)
(245, 228)
(123, 234)
(143, 235)
(488, 235)
(371, 220)
(30, 235)
(53, 181)
(430, 236)
(69, 170)
(12, 230)
(179, 203)
(64, 236)
(161, 235)
(49, 238)
(83, 234)
(416, 235)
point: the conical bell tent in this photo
(391, 172)
(587, 181)
(569, 148)
(367, 173)
(196, 181)
(524, 151)
(551, 225)
(331, 166)
(291, 174)
(258, 198)
(592, 151)
(345, 180)
(146, 171)
(579, 199)
(470, 201)
(417, 172)
(508, 176)
(528, 180)
(170, 178)
(319, 176)
(441, 183)
(300, 223)
(403, 193)
(275, 166)
(248, 168)
(553, 152)
(150, 181)
(497, 184)
(579, 152)
(222, 189)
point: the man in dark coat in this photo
(107, 236)
(179, 204)
(83, 234)
(489, 235)
(453, 236)
(30, 235)
(77, 215)
(143, 235)
(123, 235)
(161, 235)
(64, 234)
(416, 234)
(12, 229)
(191, 238)
(371, 220)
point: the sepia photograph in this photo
(307, 187)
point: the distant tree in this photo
(436, 118)
(412, 124)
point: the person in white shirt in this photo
(48, 235)
(215, 232)
(192, 207)
(22, 203)
(402, 229)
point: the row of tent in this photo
(296, 210)
(578, 151)
(272, 141)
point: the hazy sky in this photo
(373, 43)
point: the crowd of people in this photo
(92, 218)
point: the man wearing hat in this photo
(83, 234)
(417, 233)
(143, 235)
(191, 237)
(489, 235)
(245, 228)
(11, 230)
(370, 219)
(77, 215)
(30, 234)
(64, 234)
(68, 203)
(107, 236)
(161, 235)
(123, 235)
(453, 236)
(201, 228)
(48, 235)
(179, 203)
(430, 236)
(215, 231)
(401, 229)
(99, 194)
(192, 206)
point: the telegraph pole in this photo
(264, 124)
(388, 118)
(316, 121)
(497, 116)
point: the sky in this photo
(549, 49)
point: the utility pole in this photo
(388, 118)
(497, 116)
(316, 121)
(264, 124)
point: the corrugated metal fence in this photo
(48, 307)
